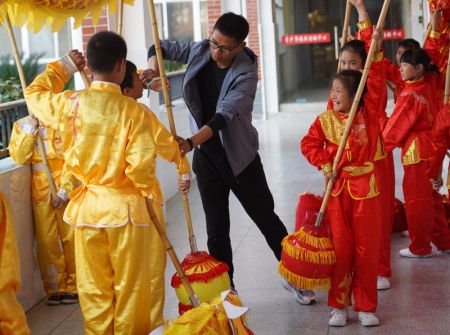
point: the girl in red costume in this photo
(354, 206)
(393, 70)
(353, 57)
(410, 128)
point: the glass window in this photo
(64, 39)
(204, 19)
(180, 19)
(160, 19)
(4, 41)
(42, 43)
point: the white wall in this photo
(268, 58)
(77, 43)
(15, 183)
(418, 19)
(235, 6)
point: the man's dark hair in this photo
(128, 80)
(232, 25)
(409, 44)
(104, 50)
(357, 47)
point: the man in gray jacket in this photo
(219, 89)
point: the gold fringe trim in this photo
(435, 34)
(367, 23)
(316, 242)
(313, 257)
(37, 14)
(378, 56)
(322, 284)
(328, 167)
(359, 170)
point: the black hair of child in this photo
(356, 46)
(128, 80)
(350, 79)
(104, 50)
(419, 56)
(408, 44)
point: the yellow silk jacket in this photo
(23, 150)
(115, 144)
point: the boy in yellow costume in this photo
(12, 316)
(133, 87)
(57, 264)
(114, 156)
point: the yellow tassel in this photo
(313, 257)
(316, 242)
(322, 284)
(40, 13)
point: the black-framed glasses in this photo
(215, 46)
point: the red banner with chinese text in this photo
(312, 38)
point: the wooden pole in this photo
(195, 301)
(85, 78)
(162, 71)
(427, 33)
(159, 57)
(348, 11)
(120, 18)
(353, 110)
(40, 143)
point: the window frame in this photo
(26, 49)
(195, 12)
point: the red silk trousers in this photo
(386, 175)
(424, 211)
(356, 232)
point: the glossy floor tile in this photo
(417, 303)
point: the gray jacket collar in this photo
(244, 62)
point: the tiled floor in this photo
(417, 303)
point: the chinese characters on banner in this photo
(393, 34)
(315, 38)
(312, 38)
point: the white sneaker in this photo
(338, 317)
(405, 233)
(158, 331)
(303, 297)
(443, 252)
(407, 253)
(368, 319)
(383, 283)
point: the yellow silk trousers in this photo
(157, 269)
(12, 316)
(114, 279)
(55, 247)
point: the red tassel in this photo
(200, 267)
(182, 308)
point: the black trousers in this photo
(215, 180)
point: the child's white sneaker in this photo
(368, 319)
(383, 283)
(338, 317)
(408, 254)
